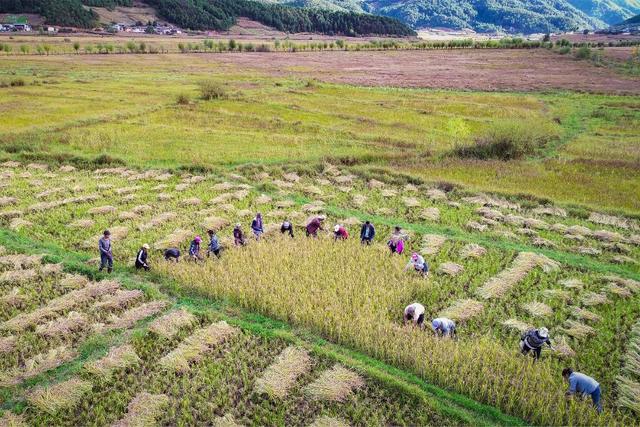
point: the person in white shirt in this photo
(414, 313)
(418, 263)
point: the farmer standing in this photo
(194, 249)
(443, 327)
(367, 233)
(106, 255)
(314, 225)
(287, 227)
(256, 226)
(141, 258)
(419, 264)
(238, 235)
(414, 313)
(214, 244)
(533, 340)
(340, 233)
(583, 384)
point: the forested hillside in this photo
(219, 15)
(608, 11)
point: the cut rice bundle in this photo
(335, 385)
(291, 177)
(432, 243)
(314, 207)
(18, 277)
(263, 199)
(38, 166)
(82, 223)
(37, 365)
(67, 168)
(7, 201)
(577, 330)
(121, 357)
(472, 251)
(436, 194)
(562, 347)
(127, 216)
(9, 215)
(489, 213)
(603, 219)
(215, 223)
(551, 211)
(11, 164)
(192, 349)
(543, 243)
(14, 298)
(222, 186)
(375, 184)
(559, 228)
(192, 201)
(623, 259)
(64, 395)
(170, 324)
(262, 176)
(144, 410)
(411, 202)
(119, 300)
(158, 220)
(9, 419)
(476, 226)
(326, 421)
(499, 285)
(163, 197)
(67, 325)
(135, 314)
(196, 179)
(312, 190)
(344, 179)
(630, 284)
(278, 213)
(572, 283)
(618, 290)
(463, 310)
(352, 221)
(18, 261)
(607, 236)
(140, 209)
(560, 294)
(527, 232)
(284, 204)
(18, 224)
(388, 193)
(517, 325)
(278, 379)
(515, 220)
(583, 314)
(450, 268)
(358, 200)
(182, 187)
(282, 184)
(410, 188)
(175, 239)
(591, 298)
(7, 344)
(628, 393)
(538, 309)
(102, 210)
(127, 190)
(579, 230)
(536, 224)
(225, 421)
(430, 214)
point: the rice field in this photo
(495, 281)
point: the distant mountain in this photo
(609, 11)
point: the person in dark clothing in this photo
(106, 255)
(238, 236)
(314, 225)
(172, 254)
(141, 258)
(367, 233)
(214, 244)
(533, 340)
(194, 249)
(287, 227)
(256, 226)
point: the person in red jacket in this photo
(314, 225)
(340, 233)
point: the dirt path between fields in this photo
(500, 70)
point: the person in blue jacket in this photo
(583, 384)
(214, 244)
(367, 233)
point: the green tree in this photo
(76, 47)
(24, 49)
(232, 45)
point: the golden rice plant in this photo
(7, 344)
(193, 348)
(36, 365)
(170, 324)
(431, 244)
(335, 384)
(226, 420)
(144, 410)
(327, 421)
(628, 393)
(175, 239)
(64, 326)
(133, 315)
(120, 357)
(158, 220)
(538, 309)
(9, 419)
(64, 395)
(577, 329)
(501, 284)
(73, 282)
(450, 268)
(472, 250)
(463, 310)
(283, 373)
(215, 223)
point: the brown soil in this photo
(500, 70)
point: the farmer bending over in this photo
(106, 255)
(533, 340)
(367, 233)
(340, 233)
(172, 254)
(287, 227)
(214, 244)
(583, 384)
(414, 313)
(314, 225)
(396, 242)
(443, 327)
(141, 258)
(256, 226)
(238, 235)
(194, 249)
(418, 263)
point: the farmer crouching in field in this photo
(396, 242)
(314, 225)
(172, 254)
(533, 340)
(287, 228)
(444, 327)
(367, 233)
(582, 384)
(340, 233)
(106, 255)
(238, 235)
(194, 249)
(141, 258)
(419, 264)
(214, 244)
(256, 226)
(414, 313)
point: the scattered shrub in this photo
(210, 90)
(183, 99)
